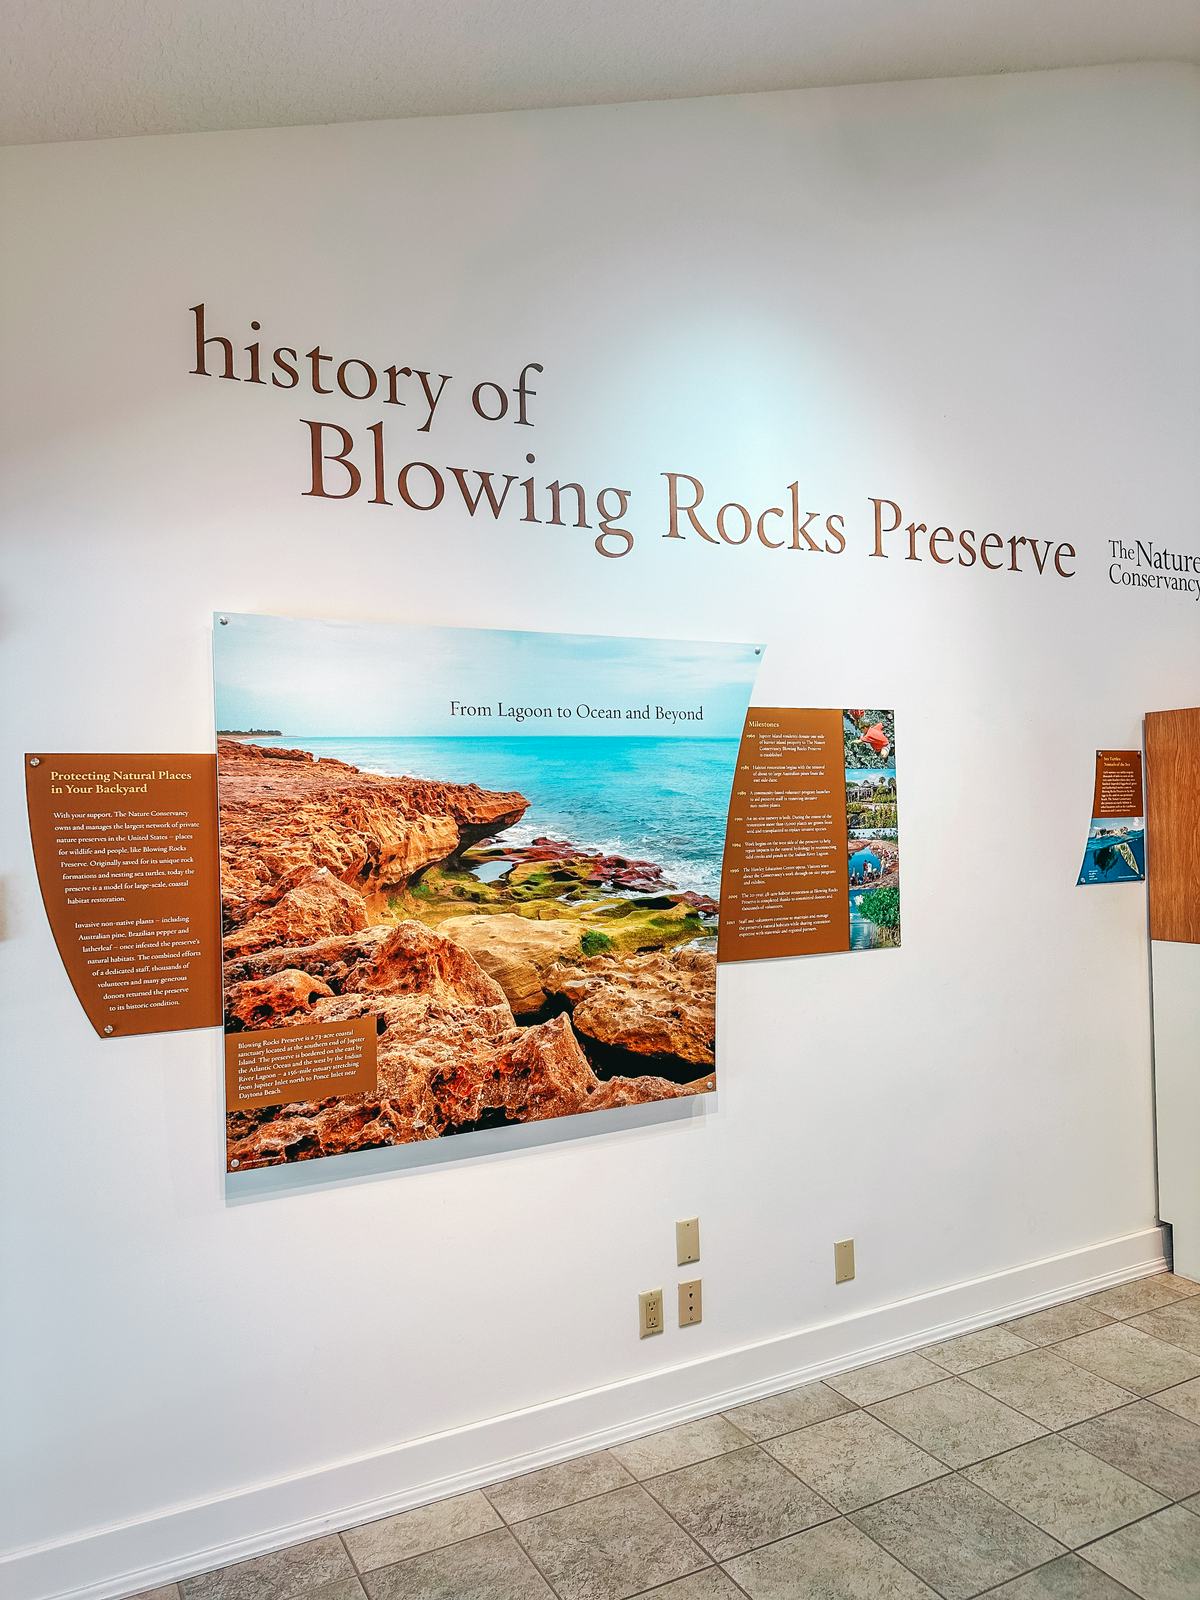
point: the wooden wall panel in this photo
(1173, 824)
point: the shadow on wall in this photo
(487, 1144)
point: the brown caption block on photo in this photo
(309, 1061)
(126, 853)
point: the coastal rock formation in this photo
(281, 811)
(450, 1055)
(311, 904)
(328, 875)
(397, 959)
(516, 951)
(607, 871)
(593, 869)
(265, 1002)
(657, 1005)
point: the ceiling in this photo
(89, 69)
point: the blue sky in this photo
(364, 679)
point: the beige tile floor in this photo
(1056, 1457)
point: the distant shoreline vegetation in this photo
(249, 733)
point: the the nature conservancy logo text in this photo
(1146, 565)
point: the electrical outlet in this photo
(687, 1241)
(650, 1313)
(690, 1309)
(843, 1261)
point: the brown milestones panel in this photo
(1173, 824)
(126, 854)
(785, 880)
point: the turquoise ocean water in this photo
(660, 800)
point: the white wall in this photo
(975, 297)
(1176, 973)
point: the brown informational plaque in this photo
(1173, 824)
(785, 880)
(1116, 843)
(126, 854)
(1118, 790)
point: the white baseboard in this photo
(102, 1563)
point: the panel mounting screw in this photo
(108, 1027)
(35, 761)
(235, 1162)
(224, 621)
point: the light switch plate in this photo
(687, 1241)
(843, 1261)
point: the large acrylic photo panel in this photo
(469, 877)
